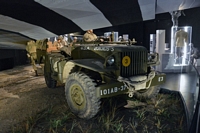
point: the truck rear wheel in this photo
(50, 82)
(81, 96)
(147, 93)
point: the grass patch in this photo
(163, 114)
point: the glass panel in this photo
(180, 40)
(186, 83)
(181, 75)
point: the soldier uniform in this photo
(181, 38)
(31, 49)
(89, 36)
(195, 54)
(60, 42)
(67, 49)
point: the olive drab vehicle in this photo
(100, 70)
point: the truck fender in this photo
(67, 69)
(91, 64)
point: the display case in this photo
(152, 46)
(180, 45)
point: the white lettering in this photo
(104, 91)
(103, 49)
(125, 86)
(116, 89)
(112, 90)
(85, 48)
(122, 88)
(108, 91)
(160, 79)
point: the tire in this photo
(81, 96)
(147, 93)
(50, 82)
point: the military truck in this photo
(98, 70)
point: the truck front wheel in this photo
(81, 96)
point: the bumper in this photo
(118, 88)
(157, 80)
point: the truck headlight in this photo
(149, 57)
(153, 59)
(110, 60)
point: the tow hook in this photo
(130, 91)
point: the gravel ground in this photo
(22, 95)
(25, 102)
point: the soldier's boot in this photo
(134, 104)
(129, 104)
(36, 74)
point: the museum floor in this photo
(186, 84)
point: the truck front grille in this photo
(138, 63)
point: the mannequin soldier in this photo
(74, 41)
(195, 54)
(175, 15)
(67, 49)
(31, 53)
(89, 36)
(60, 42)
(181, 38)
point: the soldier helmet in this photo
(31, 41)
(59, 37)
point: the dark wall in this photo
(141, 30)
(192, 18)
(135, 30)
(12, 57)
(189, 17)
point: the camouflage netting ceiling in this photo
(39, 19)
